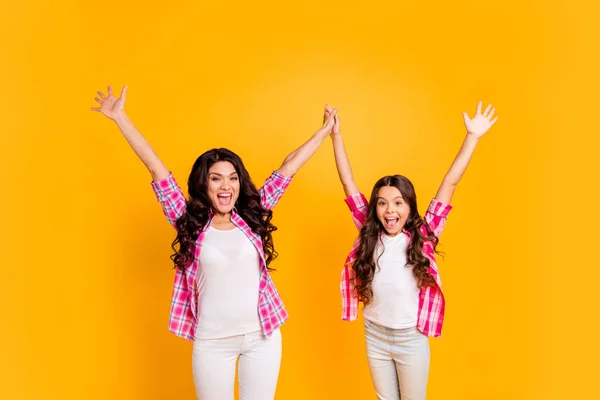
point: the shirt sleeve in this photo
(436, 216)
(171, 198)
(358, 205)
(273, 189)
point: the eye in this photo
(398, 203)
(235, 178)
(381, 203)
(214, 178)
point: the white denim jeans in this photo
(213, 366)
(398, 361)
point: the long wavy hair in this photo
(365, 265)
(248, 205)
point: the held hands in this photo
(110, 105)
(480, 123)
(333, 127)
(330, 119)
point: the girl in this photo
(392, 267)
(223, 298)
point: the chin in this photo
(394, 233)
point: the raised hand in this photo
(300, 156)
(481, 122)
(476, 127)
(336, 118)
(110, 105)
(329, 119)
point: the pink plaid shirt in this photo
(182, 321)
(431, 299)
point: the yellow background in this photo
(86, 278)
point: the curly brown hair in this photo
(365, 264)
(248, 205)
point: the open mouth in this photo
(391, 222)
(224, 199)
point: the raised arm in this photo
(301, 155)
(476, 128)
(341, 158)
(114, 108)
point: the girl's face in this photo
(223, 186)
(392, 210)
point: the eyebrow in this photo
(397, 197)
(216, 173)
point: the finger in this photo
(123, 93)
(479, 107)
(466, 117)
(331, 115)
(110, 92)
(331, 118)
(98, 100)
(494, 121)
(102, 96)
(328, 107)
(491, 114)
(487, 110)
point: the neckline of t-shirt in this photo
(387, 238)
(222, 230)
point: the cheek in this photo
(211, 188)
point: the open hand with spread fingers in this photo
(111, 106)
(481, 122)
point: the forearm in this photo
(296, 159)
(343, 165)
(142, 148)
(457, 169)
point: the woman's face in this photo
(223, 186)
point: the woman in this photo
(223, 298)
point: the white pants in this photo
(213, 365)
(398, 361)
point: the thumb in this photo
(466, 117)
(123, 93)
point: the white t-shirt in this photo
(395, 302)
(228, 284)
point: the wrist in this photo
(322, 133)
(121, 118)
